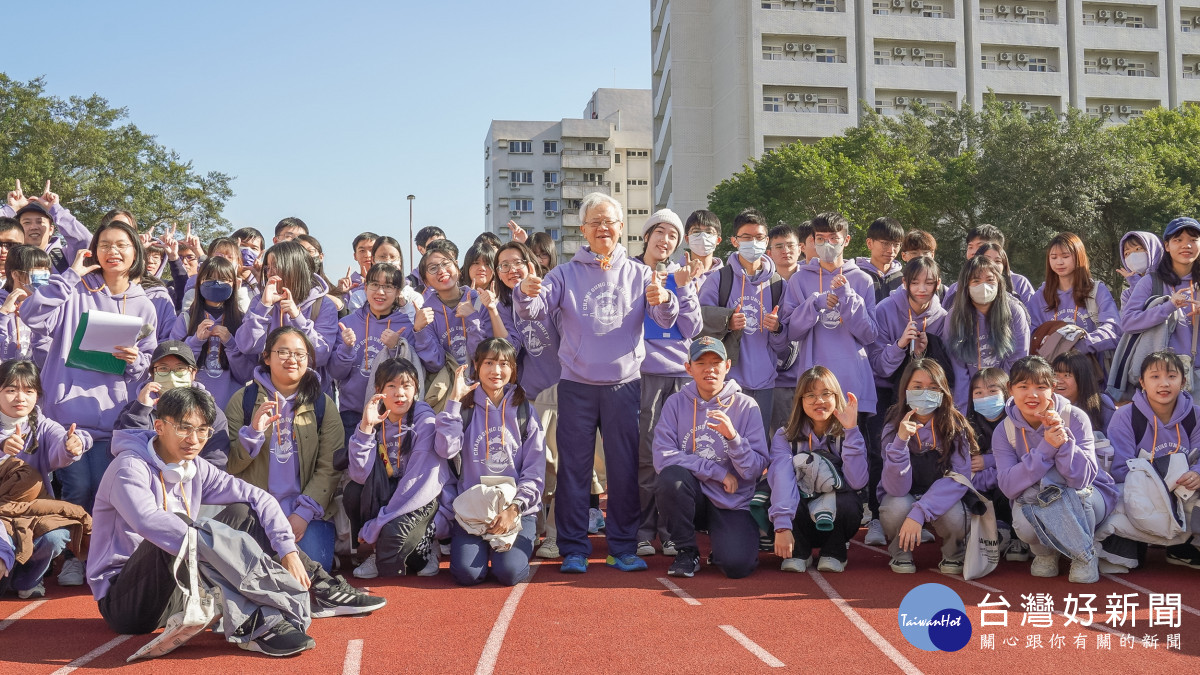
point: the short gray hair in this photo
(596, 199)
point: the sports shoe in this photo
(645, 548)
(174, 635)
(367, 570)
(1044, 566)
(795, 564)
(687, 563)
(902, 566)
(595, 521)
(444, 547)
(926, 536)
(574, 563)
(830, 564)
(1107, 567)
(670, 550)
(766, 542)
(950, 567)
(548, 549)
(1084, 572)
(431, 567)
(875, 536)
(1018, 551)
(38, 591)
(866, 517)
(335, 597)
(281, 640)
(72, 572)
(626, 562)
(1186, 555)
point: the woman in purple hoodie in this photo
(1070, 294)
(209, 326)
(452, 313)
(1140, 253)
(1044, 447)
(494, 442)
(925, 437)
(27, 269)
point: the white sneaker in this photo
(866, 518)
(72, 573)
(927, 537)
(444, 549)
(1044, 566)
(875, 535)
(367, 570)
(669, 549)
(795, 564)
(1107, 567)
(38, 591)
(1084, 572)
(828, 564)
(548, 549)
(431, 567)
(645, 548)
(1018, 551)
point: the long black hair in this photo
(23, 258)
(297, 270)
(310, 385)
(950, 426)
(216, 268)
(22, 373)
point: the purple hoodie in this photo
(241, 366)
(755, 368)
(897, 478)
(129, 507)
(89, 398)
(7, 554)
(1103, 332)
(835, 338)
(864, 263)
(1023, 466)
(665, 356)
(70, 235)
(20, 344)
(260, 320)
(600, 314)
(493, 446)
(422, 473)
(51, 454)
(964, 371)
(347, 363)
(1154, 249)
(455, 335)
(683, 437)
(785, 496)
(164, 306)
(891, 318)
(537, 344)
(1135, 318)
(1168, 435)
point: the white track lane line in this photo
(353, 662)
(1111, 577)
(865, 628)
(674, 588)
(752, 647)
(91, 656)
(495, 641)
(20, 613)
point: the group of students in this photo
(268, 417)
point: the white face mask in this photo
(828, 253)
(1137, 262)
(702, 243)
(983, 293)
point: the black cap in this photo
(174, 348)
(35, 207)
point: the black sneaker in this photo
(1184, 554)
(687, 563)
(335, 597)
(281, 640)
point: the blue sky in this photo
(334, 113)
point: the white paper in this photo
(108, 330)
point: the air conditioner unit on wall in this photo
(901, 100)
(918, 53)
(551, 214)
(899, 51)
(898, 4)
(1004, 56)
(1002, 9)
(1126, 109)
(1106, 60)
(1020, 10)
(1107, 109)
(808, 47)
(793, 97)
(920, 100)
(1120, 15)
(514, 185)
(1121, 63)
(810, 98)
(1104, 14)
(917, 4)
(791, 47)
(1022, 58)
(1025, 106)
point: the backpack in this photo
(1140, 422)
(250, 397)
(524, 412)
(885, 284)
(1133, 349)
(725, 287)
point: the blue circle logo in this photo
(932, 617)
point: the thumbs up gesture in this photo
(738, 320)
(15, 443)
(771, 321)
(531, 285)
(656, 293)
(348, 336)
(74, 442)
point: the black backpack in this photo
(1140, 423)
(725, 287)
(250, 397)
(884, 285)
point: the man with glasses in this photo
(600, 300)
(173, 365)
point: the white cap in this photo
(664, 216)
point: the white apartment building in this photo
(536, 173)
(733, 79)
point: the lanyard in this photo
(383, 453)
(186, 507)
(487, 439)
(367, 338)
(446, 317)
(104, 287)
(933, 432)
(924, 320)
(762, 310)
(722, 405)
(1154, 443)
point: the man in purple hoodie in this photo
(600, 300)
(48, 225)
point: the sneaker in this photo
(38, 591)
(686, 564)
(431, 567)
(574, 563)
(595, 521)
(798, 565)
(72, 573)
(875, 536)
(1044, 566)
(830, 564)
(1186, 555)
(766, 543)
(444, 547)
(335, 597)
(901, 566)
(281, 640)
(951, 567)
(926, 536)
(866, 517)
(645, 548)
(1084, 572)
(174, 635)
(367, 570)
(1018, 551)
(670, 550)
(1107, 567)
(548, 549)
(626, 562)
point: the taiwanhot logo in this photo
(932, 617)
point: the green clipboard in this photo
(101, 362)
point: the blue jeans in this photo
(45, 549)
(81, 478)
(317, 542)
(469, 556)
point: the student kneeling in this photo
(709, 450)
(144, 507)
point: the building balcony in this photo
(570, 218)
(578, 189)
(585, 159)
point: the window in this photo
(1035, 16)
(935, 60)
(597, 148)
(520, 177)
(826, 5)
(884, 108)
(521, 147)
(639, 153)
(593, 177)
(772, 5)
(987, 62)
(1089, 19)
(617, 187)
(617, 158)
(1038, 65)
(883, 57)
(1190, 71)
(523, 205)
(487, 152)
(1090, 68)
(827, 55)
(987, 13)
(549, 176)
(932, 12)
(487, 208)
(1135, 22)
(550, 205)
(636, 182)
(550, 147)
(487, 181)
(879, 8)
(770, 53)
(772, 104)
(1136, 70)
(829, 104)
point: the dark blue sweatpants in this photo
(583, 409)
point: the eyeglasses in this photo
(749, 238)
(785, 247)
(512, 266)
(181, 370)
(182, 431)
(380, 288)
(823, 396)
(121, 246)
(599, 223)
(189, 258)
(288, 355)
(437, 268)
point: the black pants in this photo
(733, 532)
(144, 594)
(872, 426)
(832, 544)
(405, 544)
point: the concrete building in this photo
(735, 79)
(536, 173)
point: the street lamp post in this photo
(411, 260)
